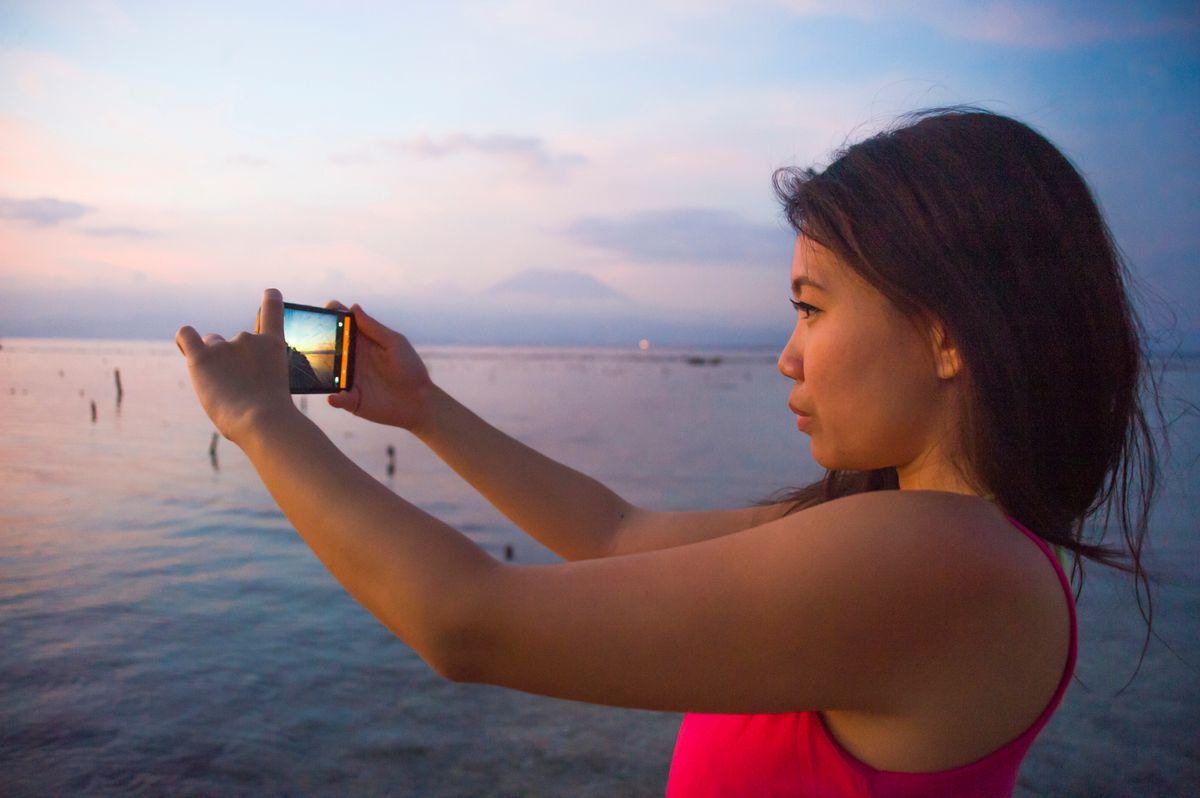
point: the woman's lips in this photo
(802, 419)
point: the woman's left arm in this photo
(410, 570)
(852, 604)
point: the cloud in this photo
(119, 232)
(624, 25)
(42, 212)
(613, 26)
(48, 212)
(529, 152)
(696, 236)
(1049, 25)
(1063, 25)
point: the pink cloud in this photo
(529, 152)
(67, 257)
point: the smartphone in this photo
(320, 347)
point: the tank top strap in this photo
(1056, 556)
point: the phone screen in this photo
(320, 346)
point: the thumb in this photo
(369, 324)
(189, 341)
(346, 400)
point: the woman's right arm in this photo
(569, 512)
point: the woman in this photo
(965, 363)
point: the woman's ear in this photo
(945, 353)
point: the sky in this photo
(533, 171)
(310, 332)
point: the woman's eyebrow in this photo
(801, 281)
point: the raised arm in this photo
(569, 512)
(861, 604)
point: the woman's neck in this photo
(934, 471)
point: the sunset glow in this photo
(413, 157)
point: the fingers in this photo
(191, 344)
(346, 400)
(188, 341)
(364, 321)
(368, 324)
(271, 313)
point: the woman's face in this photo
(867, 386)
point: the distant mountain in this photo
(552, 284)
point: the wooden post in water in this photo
(212, 451)
(391, 465)
(120, 391)
(93, 411)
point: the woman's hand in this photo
(391, 384)
(243, 381)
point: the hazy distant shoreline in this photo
(732, 353)
(683, 354)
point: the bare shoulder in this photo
(971, 535)
(989, 581)
(1003, 630)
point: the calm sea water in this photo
(164, 631)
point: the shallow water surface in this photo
(164, 631)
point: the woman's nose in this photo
(791, 362)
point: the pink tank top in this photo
(793, 754)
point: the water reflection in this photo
(162, 628)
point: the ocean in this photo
(163, 630)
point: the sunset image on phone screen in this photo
(312, 350)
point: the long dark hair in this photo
(975, 220)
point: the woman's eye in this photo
(803, 308)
